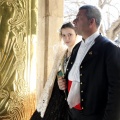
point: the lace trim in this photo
(47, 91)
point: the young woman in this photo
(52, 104)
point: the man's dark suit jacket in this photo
(99, 79)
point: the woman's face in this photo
(69, 36)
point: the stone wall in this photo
(50, 18)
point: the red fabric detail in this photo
(78, 107)
(69, 85)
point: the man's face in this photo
(81, 23)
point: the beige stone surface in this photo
(50, 18)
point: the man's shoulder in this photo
(105, 40)
(106, 44)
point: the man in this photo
(93, 81)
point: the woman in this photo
(52, 104)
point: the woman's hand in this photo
(62, 83)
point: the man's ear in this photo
(91, 21)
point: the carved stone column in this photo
(17, 58)
(28, 31)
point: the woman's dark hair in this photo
(67, 25)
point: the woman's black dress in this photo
(57, 108)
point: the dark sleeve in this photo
(112, 63)
(36, 116)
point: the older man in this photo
(93, 72)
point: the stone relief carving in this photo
(14, 88)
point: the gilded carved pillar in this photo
(17, 59)
(26, 52)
